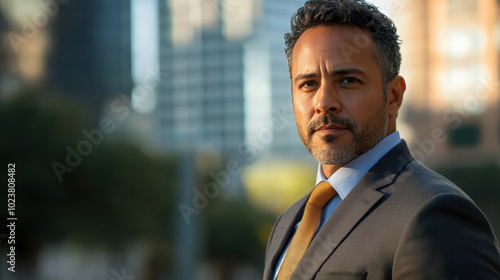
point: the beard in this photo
(365, 137)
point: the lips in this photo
(330, 127)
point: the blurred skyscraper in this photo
(200, 103)
(450, 60)
(81, 49)
(228, 83)
(91, 51)
(18, 66)
(271, 28)
(224, 88)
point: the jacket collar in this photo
(353, 208)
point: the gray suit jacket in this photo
(401, 221)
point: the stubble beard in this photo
(364, 138)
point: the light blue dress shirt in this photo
(344, 180)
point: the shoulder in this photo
(421, 184)
(449, 235)
(398, 172)
(443, 229)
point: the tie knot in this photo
(321, 194)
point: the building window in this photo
(465, 135)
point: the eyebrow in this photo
(339, 72)
(305, 76)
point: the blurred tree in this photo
(482, 184)
(35, 131)
(115, 196)
(236, 233)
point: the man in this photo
(376, 213)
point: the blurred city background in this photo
(147, 134)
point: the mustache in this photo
(328, 120)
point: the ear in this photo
(396, 91)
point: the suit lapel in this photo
(282, 232)
(385, 171)
(363, 197)
(343, 220)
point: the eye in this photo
(349, 81)
(308, 84)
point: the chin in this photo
(332, 142)
(334, 153)
(337, 159)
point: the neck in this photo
(329, 169)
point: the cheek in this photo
(362, 108)
(303, 109)
(302, 117)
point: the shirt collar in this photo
(346, 178)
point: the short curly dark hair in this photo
(356, 13)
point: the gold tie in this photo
(321, 194)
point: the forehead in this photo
(335, 46)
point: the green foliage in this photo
(482, 183)
(237, 231)
(116, 195)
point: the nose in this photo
(327, 100)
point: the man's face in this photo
(338, 95)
